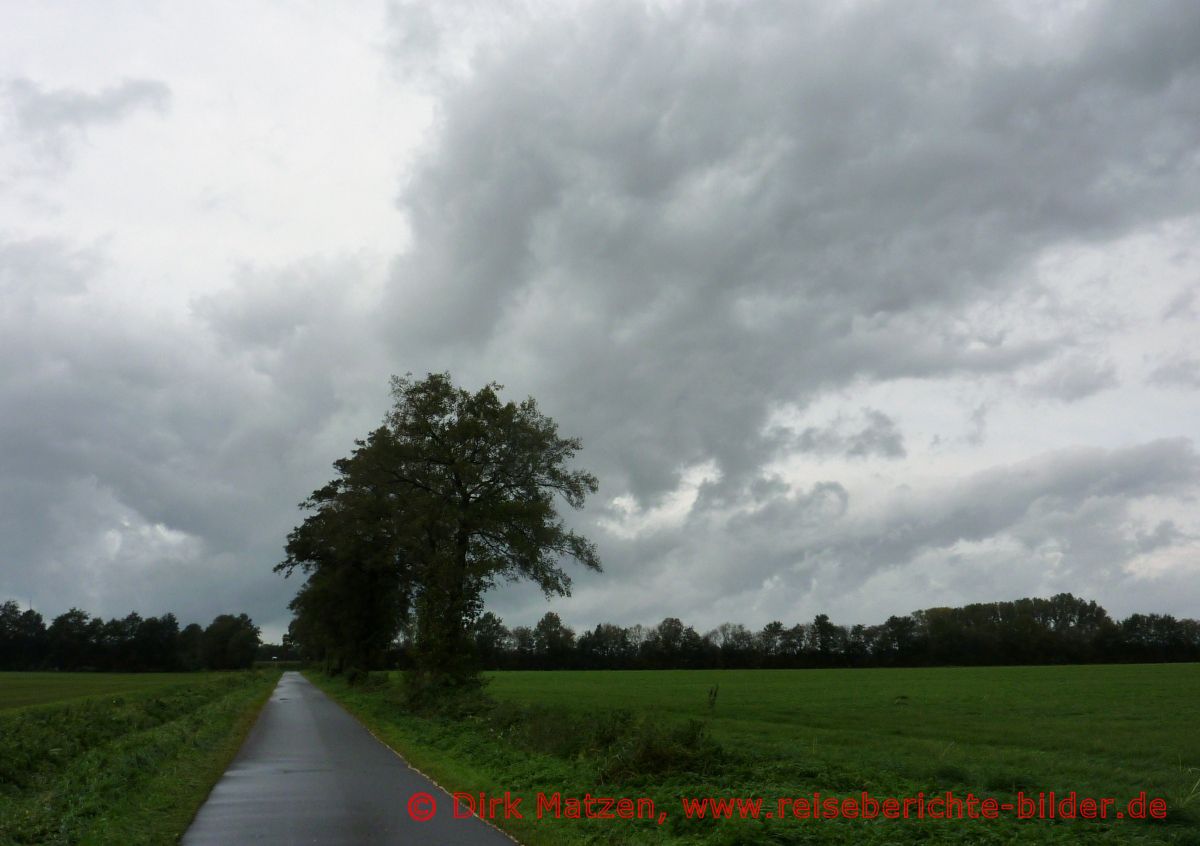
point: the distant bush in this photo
(366, 679)
(650, 747)
(620, 744)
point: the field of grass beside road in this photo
(113, 759)
(18, 690)
(1102, 731)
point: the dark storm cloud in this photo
(156, 464)
(671, 220)
(668, 222)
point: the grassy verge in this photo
(125, 769)
(582, 743)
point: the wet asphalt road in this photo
(310, 773)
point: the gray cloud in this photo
(1178, 372)
(666, 224)
(696, 226)
(1074, 378)
(977, 424)
(877, 436)
(669, 232)
(1181, 306)
(50, 119)
(1061, 521)
(135, 456)
(1034, 501)
(34, 266)
(47, 111)
(1165, 534)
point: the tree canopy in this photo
(454, 493)
(230, 642)
(75, 640)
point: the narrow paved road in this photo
(310, 773)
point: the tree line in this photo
(1060, 630)
(76, 641)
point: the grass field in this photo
(18, 690)
(1095, 728)
(1103, 731)
(116, 759)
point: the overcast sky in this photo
(858, 308)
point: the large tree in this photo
(455, 492)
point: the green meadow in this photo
(1111, 728)
(1102, 731)
(18, 690)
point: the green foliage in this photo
(647, 746)
(455, 492)
(618, 745)
(230, 643)
(553, 642)
(1062, 629)
(191, 647)
(128, 768)
(75, 640)
(365, 679)
(23, 638)
(445, 693)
